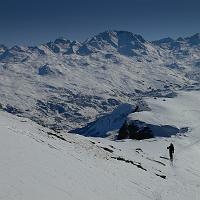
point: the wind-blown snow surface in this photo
(38, 164)
(66, 84)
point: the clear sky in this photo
(31, 22)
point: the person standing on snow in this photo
(171, 151)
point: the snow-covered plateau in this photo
(38, 163)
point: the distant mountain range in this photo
(66, 84)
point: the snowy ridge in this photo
(110, 122)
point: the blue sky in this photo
(27, 22)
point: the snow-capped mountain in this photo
(66, 84)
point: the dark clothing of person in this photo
(136, 109)
(171, 155)
(171, 151)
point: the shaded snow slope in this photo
(110, 122)
(37, 163)
(105, 125)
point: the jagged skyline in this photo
(30, 23)
(101, 36)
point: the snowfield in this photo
(37, 163)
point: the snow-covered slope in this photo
(65, 84)
(110, 122)
(106, 125)
(37, 163)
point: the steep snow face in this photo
(38, 163)
(66, 84)
(107, 123)
(110, 123)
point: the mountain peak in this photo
(164, 40)
(62, 40)
(124, 42)
(17, 48)
(194, 39)
(107, 35)
(197, 35)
